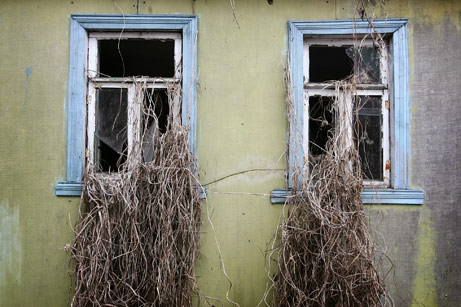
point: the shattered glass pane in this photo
(321, 119)
(368, 133)
(367, 65)
(155, 119)
(111, 127)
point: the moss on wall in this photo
(424, 288)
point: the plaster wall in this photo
(241, 125)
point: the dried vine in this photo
(139, 229)
(325, 256)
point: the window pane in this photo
(329, 63)
(321, 119)
(156, 111)
(136, 57)
(336, 63)
(368, 133)
(111, 127)
(368, 64)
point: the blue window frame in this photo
(80, 25)
(397, 29)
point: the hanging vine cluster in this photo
(139, 229)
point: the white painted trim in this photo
(386, 139)
(336, 41)
(136, 34)
(328, 90)
(177, 58)
(110, 84)
(133, 113)
(134, 108)
(93, 65)
(91, 122)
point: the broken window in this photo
(118, 65)
(367, 128)
(321, 122)
(331, 65)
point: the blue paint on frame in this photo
(397, 28)
(80, 24)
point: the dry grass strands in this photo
(325, 257)
(139, 229)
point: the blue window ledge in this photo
(67, 188)
(388, 196)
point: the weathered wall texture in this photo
(241, 126)
(436, 141)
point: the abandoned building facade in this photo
(253, 82)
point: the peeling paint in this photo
(28, 77)
(424, 284)
(10, 248)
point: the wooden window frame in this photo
(397, 30)
(380, 89)
(81, 25)
(96, 82)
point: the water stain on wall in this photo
(28, 77)
(10, 247)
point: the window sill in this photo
(69, 188)
(388, 196)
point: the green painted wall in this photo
(241, 126)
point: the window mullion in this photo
(134, 124)
(348, 120)
(344, 118)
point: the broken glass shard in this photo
(367, 60)
(155, 119)
(111, 127)
(321, 123)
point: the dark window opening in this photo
(337, 63)
(329, 63)
(367, 131)
(321, 123)
(137, 57)
(110, 160)
(111, 128)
